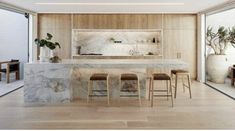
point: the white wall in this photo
(201, 47)
(227, 19)
(13, 37)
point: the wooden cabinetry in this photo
(60, 27)
(179, 30)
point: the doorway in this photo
(14, 45)
(223, 69)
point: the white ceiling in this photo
(115, 6)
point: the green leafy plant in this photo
(47, 42)
(220, 40)
(232, 36)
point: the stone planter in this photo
(217, 68)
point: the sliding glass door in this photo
(219, 52)
(14, 37)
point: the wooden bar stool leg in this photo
(189, 85)
(171, 83)
(152, 90)
(120, 88)
(0, 73)
(183, 82)
(171, 94)
(167, 89)
(150, 83)
(17, 74)
(8, 73)
(232, 80)
(88, 91)
(91, 94)
(172, 75)
(107, 84)
(138, 86)
(176, 78)
(8, 77)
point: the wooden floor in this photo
(208, 109)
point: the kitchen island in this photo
(62, 82)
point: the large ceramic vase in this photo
(217, 68)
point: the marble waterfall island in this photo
(65, 81)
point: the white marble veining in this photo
(62, 82)
(137, 42)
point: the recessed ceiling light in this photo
(109, 4)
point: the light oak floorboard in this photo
(208, 109)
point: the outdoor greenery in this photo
(220, 39)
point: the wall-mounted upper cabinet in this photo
(119, 21)
(184, 22)
(155, 21)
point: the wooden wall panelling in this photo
(183, 42)
(60, 27)
(117, 21)
(80, 22)
(179, 30)
(154, 21)
(179, 21)
(180, 39)
(171, 44)
(188, 50)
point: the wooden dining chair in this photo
(12, 66)
(233, 75)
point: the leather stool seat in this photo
(129, 77)
(161, 76)
(100, 76)
(178, 71)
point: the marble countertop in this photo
(112, 63)
(117, 57)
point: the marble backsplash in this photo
(117, 42)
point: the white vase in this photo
(43, 54)
(52, 53)
(217, 68)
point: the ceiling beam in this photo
(219, 8)
(15, 9)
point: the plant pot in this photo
(52, 53)
(43, 54)
(217, 68)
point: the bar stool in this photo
(128, 77)
(160, 77)
(98, 77)
(181, 73)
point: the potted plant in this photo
(217, 63)
(43, 43)
(232, 36)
